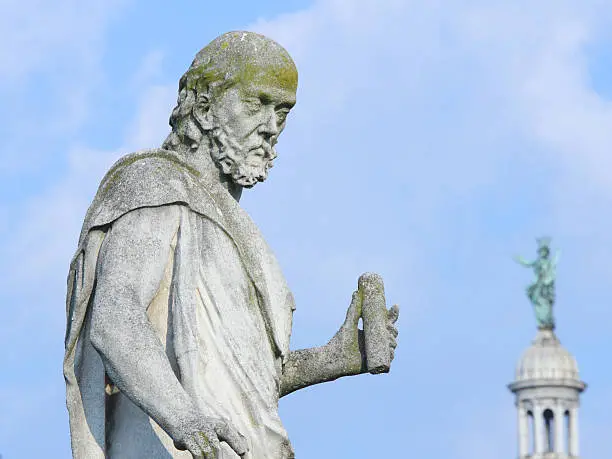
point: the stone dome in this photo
(546, 359)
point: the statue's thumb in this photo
(354, 311)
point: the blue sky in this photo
(430, 143)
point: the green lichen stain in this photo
(247, 405)
(244, 58)
(207, 443)
(200, 77)
(355, 344)
(282, 77)
(253, 297)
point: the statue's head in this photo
(543, 247)
(233, 103)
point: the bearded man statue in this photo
(179, 318)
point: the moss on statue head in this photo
(241, 58)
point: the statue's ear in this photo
(201, 111)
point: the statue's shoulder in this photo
(149, 175)
(147, 178)
(147, 167)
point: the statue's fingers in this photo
(193, 447)
(392, 354)
(209, 445)
(393, 313)
(230, 435)
(392, 343)
(393, 330)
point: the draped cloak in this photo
(207, 346)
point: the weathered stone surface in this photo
(179, 318)
(374, 313)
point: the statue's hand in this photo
(202, 435)
(349, 342)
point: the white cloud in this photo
(540, 61)
(150, 68)
(531, 58)
(51, 57)
(150, 127)
(474, 95)
(40, 33)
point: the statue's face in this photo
(248, 120)
(544, 252)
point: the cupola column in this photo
(573, 423)
(559, 428)
(538, 429)
(523, 429)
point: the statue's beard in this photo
(244, 164)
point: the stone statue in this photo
(541, 292)
(178, 315)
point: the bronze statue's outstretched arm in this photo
(343, 355)
(524, 262)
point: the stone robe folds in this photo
(223, 312)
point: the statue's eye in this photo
(281, 115)
(253, 105)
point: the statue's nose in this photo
(270, 126)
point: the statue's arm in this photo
(307, 367)
(131, 265)
(343, 355)
(524, 262)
